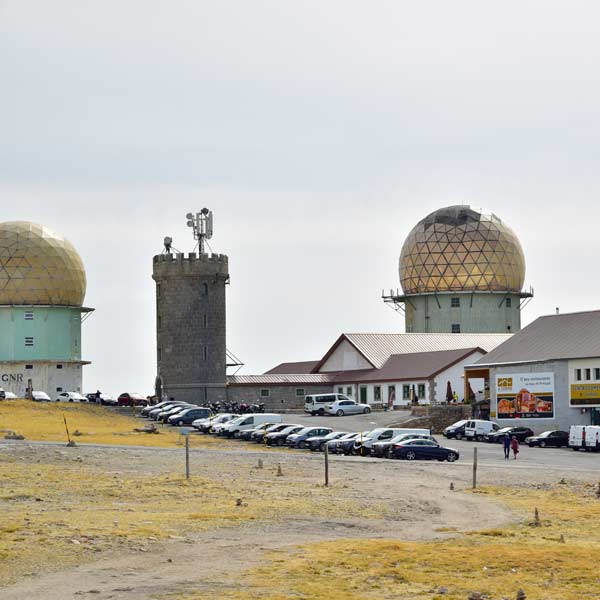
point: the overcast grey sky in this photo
(319, 133)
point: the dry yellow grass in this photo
(41, 421)
(56, 516)
(495, 562)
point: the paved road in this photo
(350, 422)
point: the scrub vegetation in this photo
(88, 423)
(552, 558)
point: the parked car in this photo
(316, 404)
(456, 430)
(108, 400)
(415, 449)
(584, 437)
(519, 432)
(145, 412)
(362, 445)
(205, 425)
(476, 429)
(70, 397)
(298, 439)
(385, 448)
(278, 438)
(164, 415)
(40, 396)
(248, 433)
(158, 413)
(188, 415)
(260, 434)
(319, 442)
(347, 407)
(132, 399)
(9, 396)
(249, 421)
(344, 444)
(556, 439)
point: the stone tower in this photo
(190, 325)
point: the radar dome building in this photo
(42, 289)
(461, 271)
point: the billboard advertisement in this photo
(525, 395)
(585, 394)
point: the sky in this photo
(318, 133)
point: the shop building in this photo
(547, 376)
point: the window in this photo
(59, 366)
(205, 289)
(578, 374)
(29, 341)
(59, 389)
(265, 393)
(340, 390)
(596, 373)
(406, 392)
(348, 391)
(508, 303)
(455, 327)
(455, 302)
(159, 354)
(28, 315)
(158, 289)
(205, 352)
(377, 393)
(29, 367)
(299, 391)
(588, 374)
(421, 391)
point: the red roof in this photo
(295, 368)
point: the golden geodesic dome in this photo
(38, 266)
(459, 249)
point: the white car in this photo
(476, 429)
(10, 396)
(71, 397)
(204, 425)
(347, 407)
(40, 396)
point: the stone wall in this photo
(439, 416)
(281, 398)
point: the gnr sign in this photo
(11, 377)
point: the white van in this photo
(475, 429)
(316, 403)
(249, 422)
(585, 437)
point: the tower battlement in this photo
(190, 265)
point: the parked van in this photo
(585, 437)
(475, 429)
(249, 422)
(316, 403)
(363, 445)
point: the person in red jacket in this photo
(514, 446)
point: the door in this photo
(351, 408)
(363, 394)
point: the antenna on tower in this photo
(202, 226)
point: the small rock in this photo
(442, 590)
(76, 542)
(521, 595)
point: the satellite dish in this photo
(168, 241)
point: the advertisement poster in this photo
(585, 394)
(525, 395)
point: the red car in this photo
(133, 399)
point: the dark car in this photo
(385, 448)
(456, 430)
(344, 444)
(259, 434)
(247, 434)
(298, 439)
(318, 442)
(188, 415)
(556, 439)
(423, 450)
(278, 438)
(131, 399)
(164, 415)
(519, 432)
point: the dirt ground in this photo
(178, 551)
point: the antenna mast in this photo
(202, 226)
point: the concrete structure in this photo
(547, 376)
(191, 326)
(461, 272)
(379, 369)
(42, 288)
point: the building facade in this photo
(191, 326)
(461, 271)
(42, 288)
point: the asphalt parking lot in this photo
(350, 422)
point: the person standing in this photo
(514, 446)
(506, 443)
